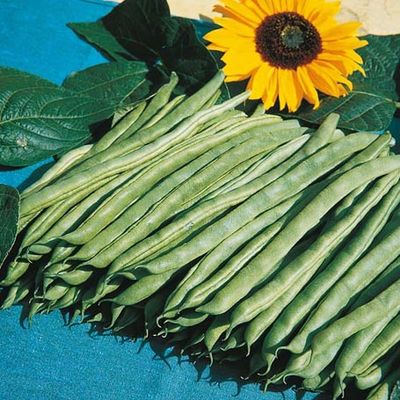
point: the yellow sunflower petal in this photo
(322, 80)
(333, 72)
(344, 64)
(227, 12)
(279, 6)
(266, 6)
(242, 11)
(283, 87)
(224, 38)
(236, 27)
(253, 5)
(236, 78)
(214, 47)
(297, 92)
(291, 5)
(259, 81)
(341, 55)
(271, 92)
(353, 43)
(328, 10)
(308, 87)
(340, 31)
(241, 63)
(343, 91)
(308, 7)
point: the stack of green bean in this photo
(239, 238)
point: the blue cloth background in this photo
(48, 360)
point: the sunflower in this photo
(290, 49)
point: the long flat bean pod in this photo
(62, 165)
(58, 191)
(378, 371)
(286, 212)
(265, 198)
(386, 340)
(359, 277)
(186, 109)
(384, 389)
(353, 349)
(360, 318)
(225, 249)
(160, 99)
(257, 272)
(117, 130)
(180, 226)
(155, 195)
(317, 288)
(314, 256)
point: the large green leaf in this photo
(144, 30)
(359, 111)
(9, 214)
(99, 37)
(371, 105)
(39, 119)
(118, 83)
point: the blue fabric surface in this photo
(48, 360)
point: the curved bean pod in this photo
(362, 317)
(257, 272)
(384, 389)
(378, 371)
(62, 165)
(387, 339)
(159, 100)
(309, 297)
(311, 259)
(267, 197)
(60, 190)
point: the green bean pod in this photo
(309, 262)
(117, 130)
(384, 390)
(195, 215)
(225, 249)
(154, 106)
(165, 111)
(60, 190)
(378, 371)
(275, 219)
(62, 165)
(362, 317)
(256, 272)
(386, 340)
(318, 287)
(186, 110)
(45, 221)
(267, 197)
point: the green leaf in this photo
(9, 214)
(39, 119)
(99, 37)
(118, 83)
(381, 60)
(359, 111)
(370, 106)
(144, 30)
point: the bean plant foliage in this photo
(145, 30)
(370, 106)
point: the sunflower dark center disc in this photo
(287, 40)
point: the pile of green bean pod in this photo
(244, 239)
